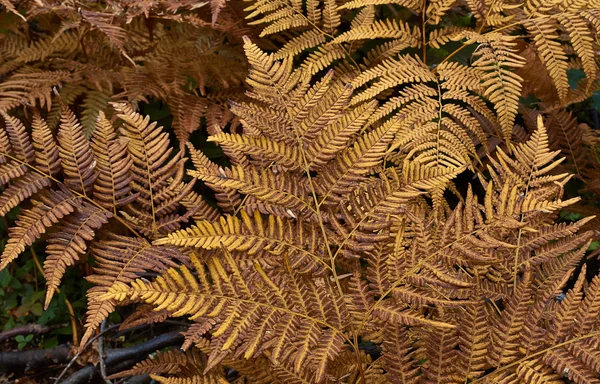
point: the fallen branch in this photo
(35, 329)
(24, 361)
(120, 359)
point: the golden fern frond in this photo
(551, 53)
(582, 41)
(268, 73)
(415, 5)
(388, 29)
(400, 369)
(437, 347)
(565, 314)
(439, 37)
(322, 58)
(283, 190)
(47, 156)
(331, 16)
(306, 40)
(198, 208)
(17, 140)
(196, 379)
(353, 164)
(334, 138)
(365, 17)
(240, 311)
(437, 9)
(496, 60)
(585, 317)
(473, 342)
(571, 367)
(391, 73)
(507, 326)
(188, 110)
(253, 236)
(20, 189)
(227, 199)
(261, 148)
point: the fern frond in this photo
(169, 362)
(473, 342)
(437, 346)
(333, 139)
(232, 300)
(47, 156)
(502, 86)
(95, 102)
(152, 169)
(391, 73)
(113, 163)
(69, 242)
(262, 184)
(251, 235)
(20, 143)
(551, 53)
(354, 163)
(306, 40)
(322, 58)
(437, 9)
(381, 30)
(77, 158)
(48, 210)
(400, 369)
(22, 188)
(121, 260)
(582, 41)
(261, 148)
(439, 37)
(415, 5)
(507, 326)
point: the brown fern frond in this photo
(69, 242)
(120, 260)
(169, 362)
(48, 210)
(77, 158)
(507, 326)
(151, 169)
(112, 187)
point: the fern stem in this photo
(423, 35)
